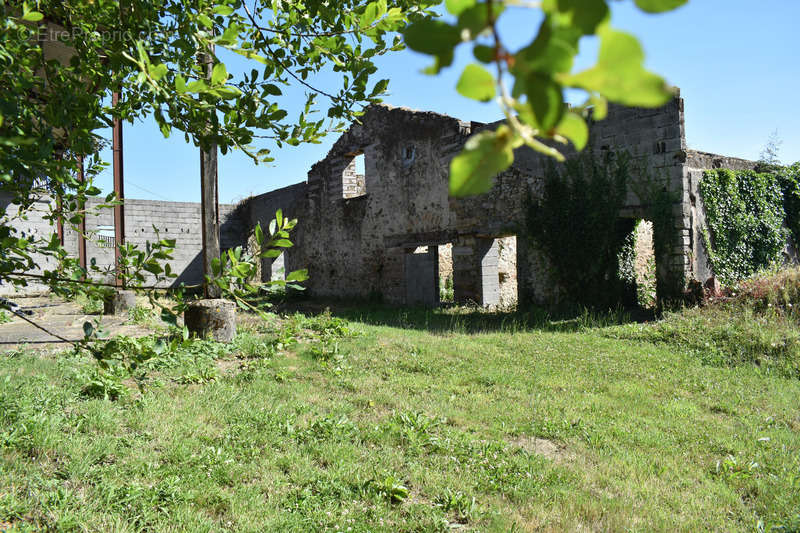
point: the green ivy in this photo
(745, 215)
(576, 224)
(789, 178)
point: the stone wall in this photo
(355, 239)
(696, 164)
(394, 232)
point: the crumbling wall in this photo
(359, 244)
(507, 270)
(356, 231)
(356, 238)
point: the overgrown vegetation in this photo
(757, 326)
(576, 224)
(745, 215)
(444, 422)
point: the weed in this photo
(455, 501)
(89, 305)
(140, 314)
(105, 384)
(250, 346)
(5, 317)
(388, 487)
(202, 374)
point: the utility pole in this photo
(209, 197)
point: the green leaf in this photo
(169, 317)
(158, 71)
(620, 75)
(380, 87)
(585, 15)
(283, 243)
(574, 128)
(456, 7)
(205, 20)
(197, 86)
(259, 234)
(180, 84)
(476, 18)
(88, 329)
(297, 275)
(477, 83)
(372, 12)
(485, 155)
(659, 6)
(553, 50)
(219, 74)
(279, 218)
(272, 89)
(32, 16)
(599, 107)
(223, 10)
(431, 37)
(483, 53)
(272, 252)
(546, 99)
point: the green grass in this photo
(396, 420)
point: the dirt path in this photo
(62, 318)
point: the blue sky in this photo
(735, 62)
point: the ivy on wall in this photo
(745, 215)
(789, 179)
(576, 224)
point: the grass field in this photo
(394, 420)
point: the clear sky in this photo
(735, 61)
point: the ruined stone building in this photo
(395, 233)
(392, 232)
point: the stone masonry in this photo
(356, 238)
(394, 233)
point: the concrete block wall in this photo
(31, 224)
(149, 220)
(173, 220)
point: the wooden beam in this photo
(119, 190)
(209, 203)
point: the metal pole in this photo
(82, 224)
(119, 191)
(60, 223)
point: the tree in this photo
(60, 61)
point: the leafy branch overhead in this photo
(534, 105)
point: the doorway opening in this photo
(638, 264)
